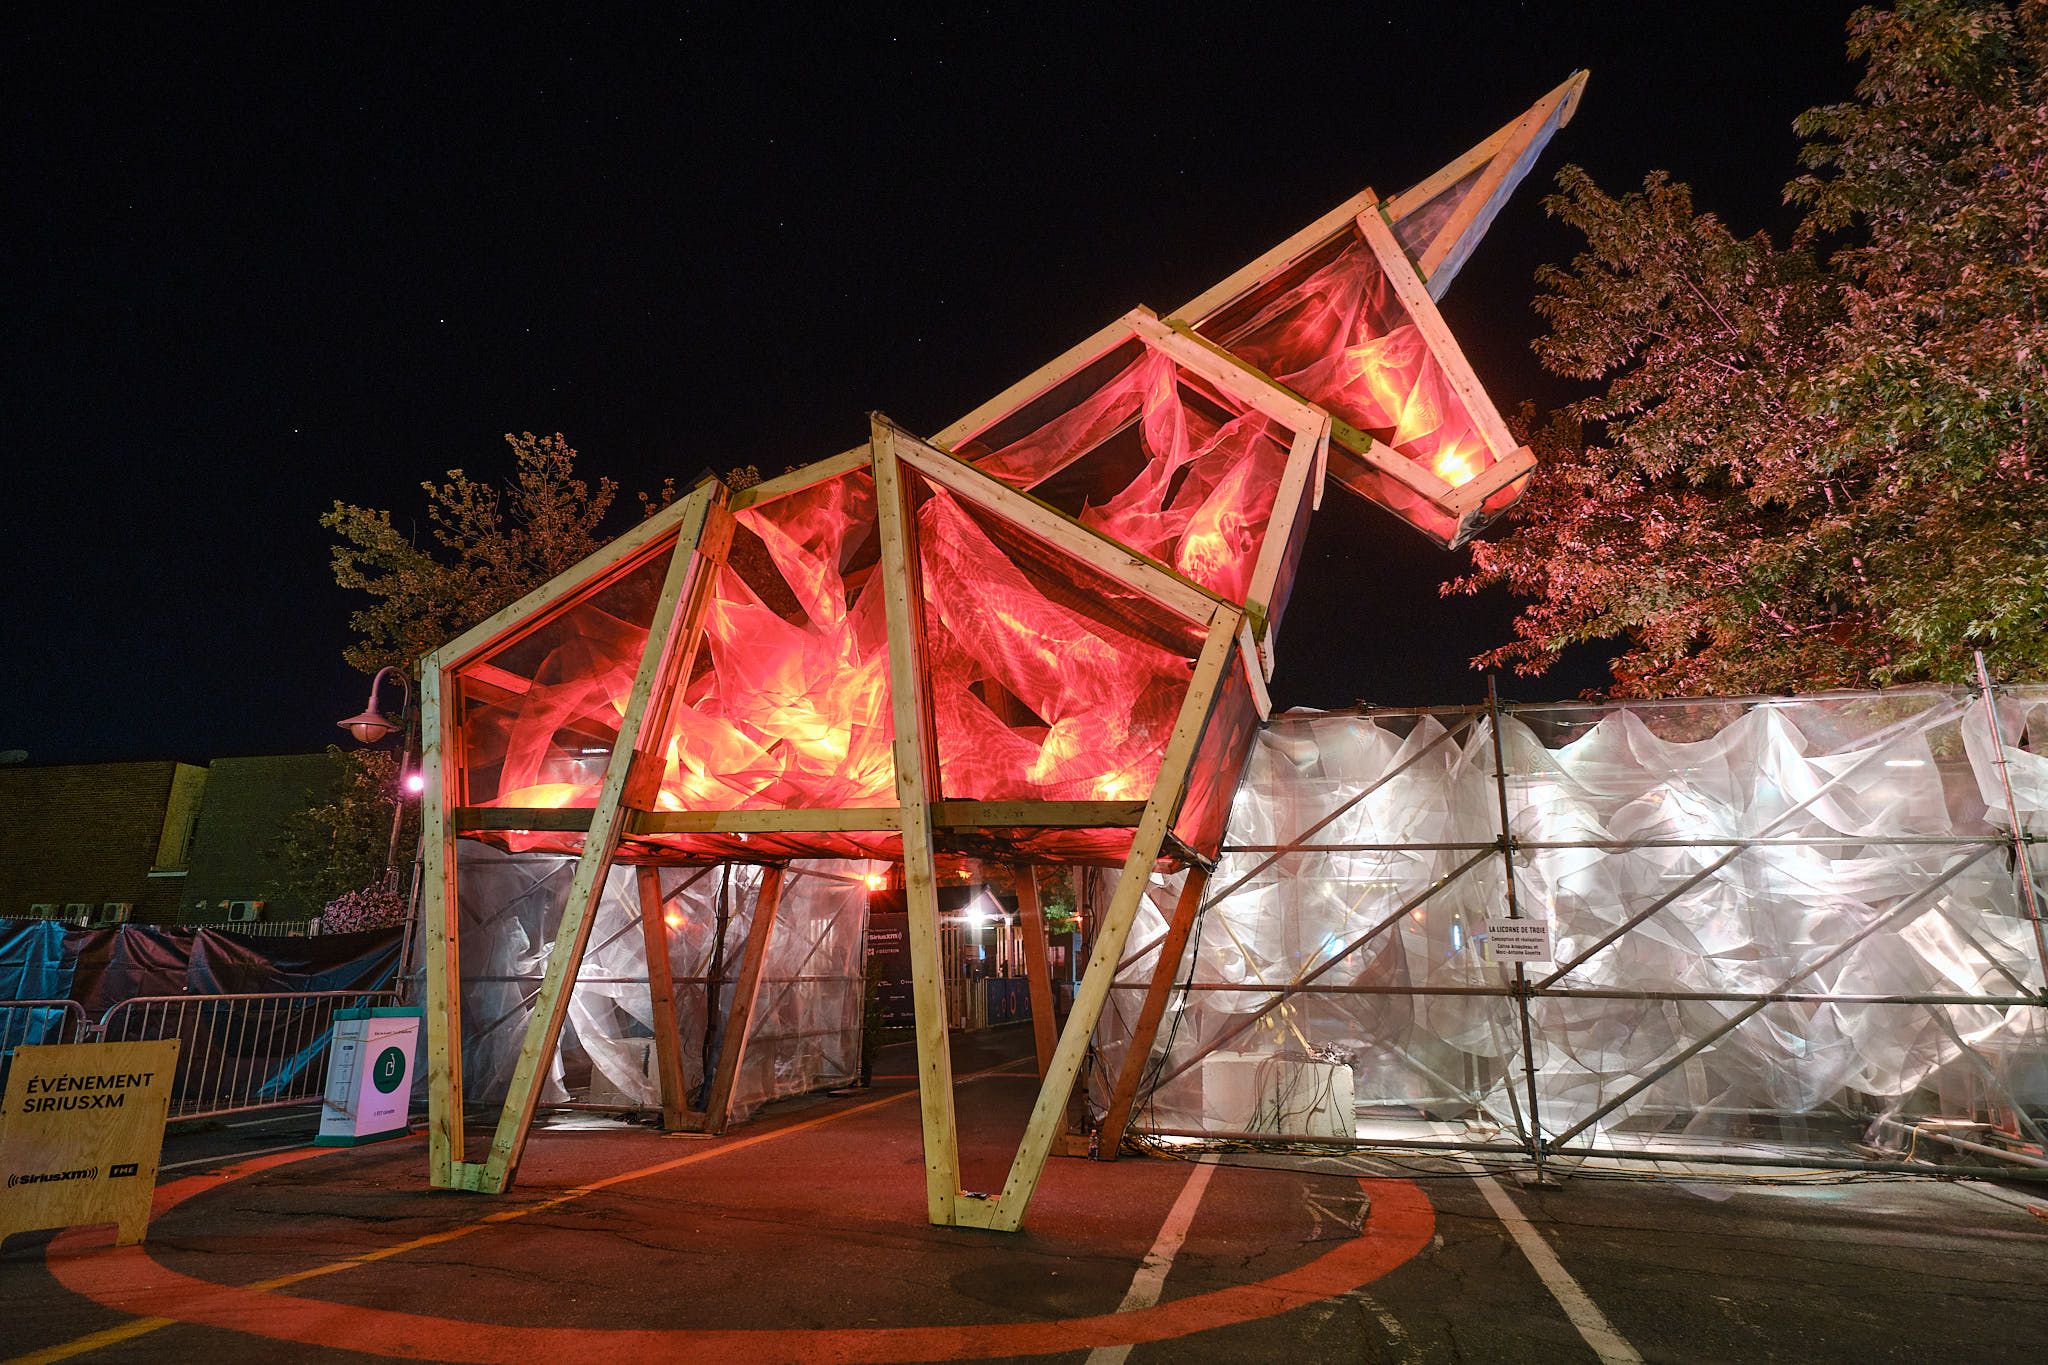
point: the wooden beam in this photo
(564, 584)
(1069, 362)
(903, 609)
(645, 822)
(1084, 543)
(1275, 262)
(658, 664)
(1044, 1029)
(1146, 1029)
(440, 770)
(537, 819)
(1302, 459)
(739, 1020)
(1044, 814)
(1048, 1115)
(1254, 670)
(1470, 496)
(661, 994)
(852, 819)
(1436, 334)
(797, 480)
(1523, 140)
(1246, 383)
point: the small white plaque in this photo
(1519, 940)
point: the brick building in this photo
(104, 840)
(157, 842)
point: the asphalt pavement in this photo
(800, 1236)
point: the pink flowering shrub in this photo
(372, 908)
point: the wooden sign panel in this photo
(81, 1133)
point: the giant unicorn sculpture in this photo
(1043, 635)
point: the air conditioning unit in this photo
(44, 910)
(78, 912)
(244, 912)
(114, 912)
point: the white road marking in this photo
(1151, 1276)
(230, 1158)
(1593, 1325)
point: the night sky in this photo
(260, 262)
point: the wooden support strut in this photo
(1171, 948)
(1044, 1032)
(916, 787)
(658, 661)
(739, 1021)
(1005, 1213)
(439, 771)
(661, 993)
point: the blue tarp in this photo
(33, 963)
(99, 968)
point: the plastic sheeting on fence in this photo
(1775, 921)
(807, 1018)
(99, 968)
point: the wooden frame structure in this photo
(1417, 240)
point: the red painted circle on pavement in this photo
(130, 1280)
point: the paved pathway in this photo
(800, 1237)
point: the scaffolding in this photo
(1795, 931)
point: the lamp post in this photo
(373, 725)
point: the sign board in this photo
(81, 1133)
(1519, 940)
(889, 961)
(369, 1076)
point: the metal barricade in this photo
(239, 1052)
(30, 1022)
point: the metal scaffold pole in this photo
(2022, 863)
(1507, 858)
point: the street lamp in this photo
(372, 725)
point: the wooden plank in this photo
(1436, 335)
(797, 480)
(1006, 1213)
(853, 819)
(1390, 461)
(440, 760)
(1468, 497)
(1146, 1030)
(88, 1118)
(1069, 362)
(1084, 543)
(1254, 670)
(903, 609)
(490, 675)
(658, 661)
(1302, 459)
(1468, 222)
(1274, 262)
(739, 1022)
(661, 994)
(537, 819)
(1037, 970)
(1044, 814)
(564, 584)
(1238, 378)
(1418, 195)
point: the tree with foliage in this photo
(490, 546)
(1825, 463)
(338, 845)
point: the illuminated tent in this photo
(1042, 636)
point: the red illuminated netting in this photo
(1048, 682)
(1196, 446)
